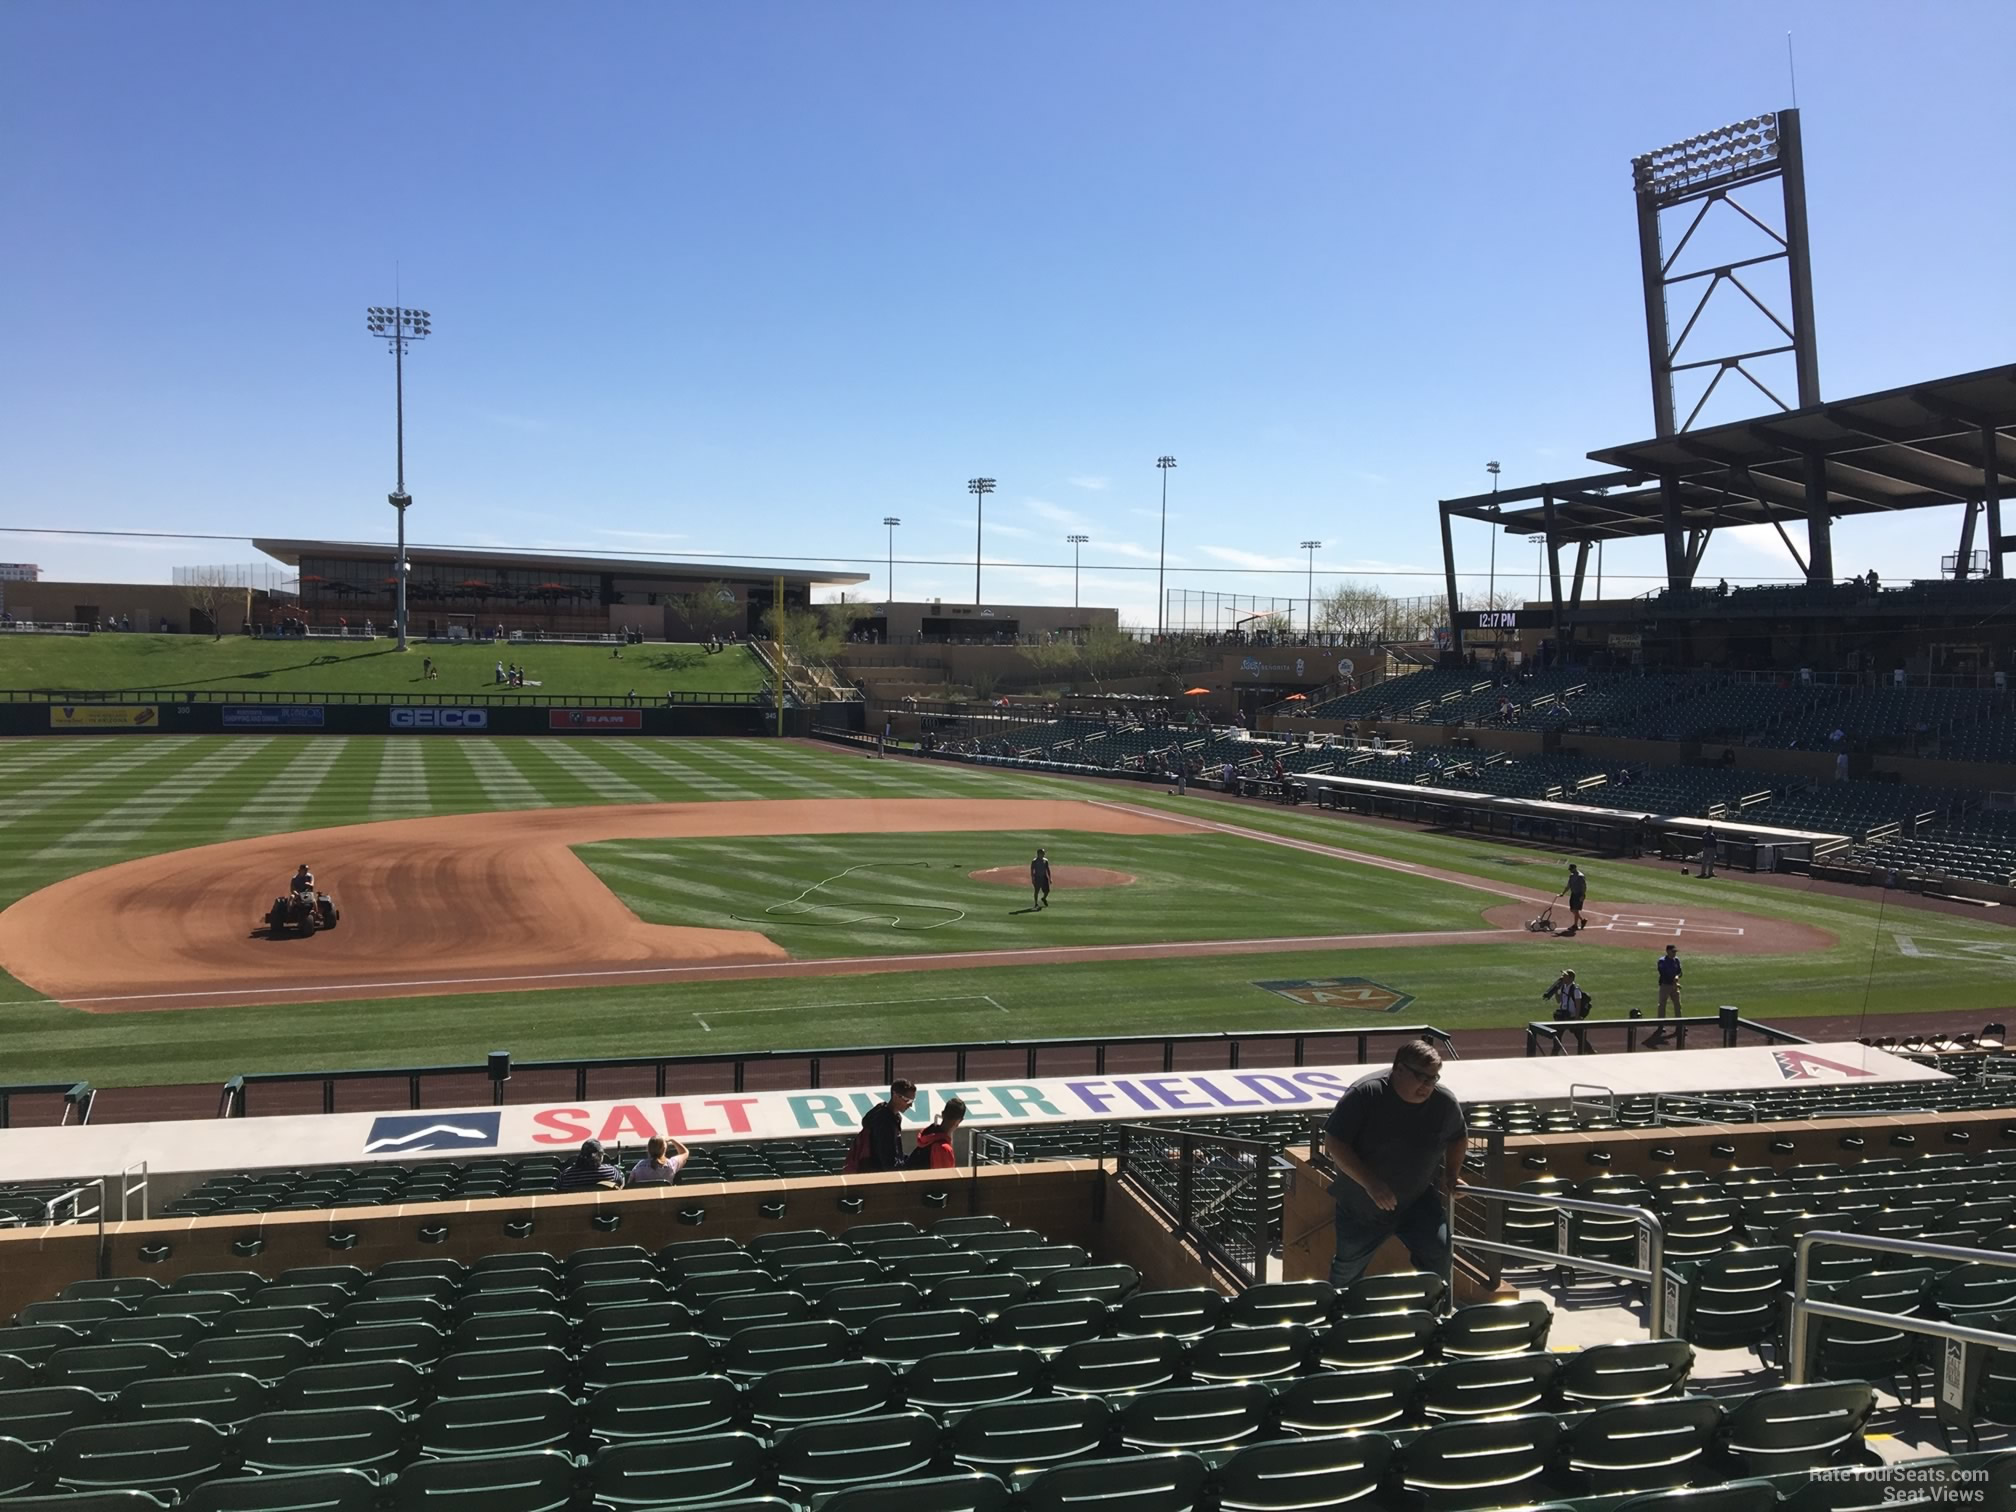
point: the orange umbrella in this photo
(1296, 698)
(1190, 692)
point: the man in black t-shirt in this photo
(1397, 1140)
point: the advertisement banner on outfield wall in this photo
(440, 719)
(104, 717)
(273, 716)
(588, 721)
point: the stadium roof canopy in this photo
(1947, 441)
(291, 552)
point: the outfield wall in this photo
(267, 718)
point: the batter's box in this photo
(1351, 994)
(1659, 926)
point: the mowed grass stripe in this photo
(126, 822)
(288, 792)
(115, 767)
(502, 783)
(401, 785)
(685, 778)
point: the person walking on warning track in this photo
(1039, 879)
(1397, 1140)
(1669, 989)
(1577, 890)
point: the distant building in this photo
(19, 572)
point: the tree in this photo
(1108, 651)
(215, 599)
(805, 634)
(842, 614)
(709, 612)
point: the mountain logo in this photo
(407, 1133)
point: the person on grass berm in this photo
(588, 1171)
(1669, 991)
(879, 1145)
(660, 1163)
(934, 1146)
(1397, 1140)
(1039, 880)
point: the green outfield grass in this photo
(190, 663)
(838, 895)
(72, 803)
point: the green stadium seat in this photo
(967, 1378)
(309, 1323)
(1040, 1260)
(1017, 1440)
(1050, 1323)
(191, 1304)
(93, 1501)
(632, 1318)
(1301, 1475)
(241, 1284)
(1110, 1367)
(398, 1384)
(15, 1372)
(1418, 1291)
(871, 1233)
(350, 1277)
(1735, 1299)
(1642, 1446)
(328, 1296)
(20, 1468)
(988, 1295)
(507, 1423)
(857, 1306)
(168, 1456)
(971, 1492)
(320, 1491)
(172, 1331)
(1495, 1328)
(81, 1315)
(595, 1293)
(1625, 1372)
(966, 1226)
(1342, 1401)
(512, 1330)
(1209, 1420)
(821, 1457)
(1840, 1350)
(899, 1247)
(702, 1289)
(1912, 1487)
(1366, 1341)
(910, 1335)
(1135, 1483)
(1310, 1303)
(674, 1472)
(372, 1439)
(1183, 1312)
(634, 1359)
(374, 1311)
(227, 1399)
(596, 1256)
(1793, 1429)
(120, 1288)
(1733, 1496)
(1263, 1353)
(106, 1368)
(539, 1481)
(1491, 1386)
(388, 1341)
(688, 1407)
(821, 1393)
(1488, 1462)
(777, 1346)
(495, 1372)
(38, 1414)
(35, 1342)
(688, 1248)
(1110, 1284)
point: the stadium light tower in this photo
(1076, 541)
(979, 488)
(892, 522)
(396, 325)
(1491, 590)
(1162, 551)
(1312, 547)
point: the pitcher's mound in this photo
(1062, 878)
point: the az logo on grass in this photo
(1351, 994)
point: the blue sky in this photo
(747, 278)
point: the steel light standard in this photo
(397, 325)
(1491, 592)
(979, 488)
(892, 522)
(1312, 547)
(1076, 541)
(1162, 551)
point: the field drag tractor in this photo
(302, 911)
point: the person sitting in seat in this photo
(660, 1163)
(304, 880)
(588, 1170)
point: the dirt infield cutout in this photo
(1062, 878)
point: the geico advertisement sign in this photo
(440, 719)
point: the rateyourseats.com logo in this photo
(1932, 1484)
(405, 1133)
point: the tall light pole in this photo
(1539, 561)
(1162, 551)
(979, 488)
(892, 522)
(1312, 547)
(1076, 541)
(1491, 592)
(397, 325)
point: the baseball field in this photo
(616, 895)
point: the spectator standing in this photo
(588, 1171)
(660, 1164)
(879, 1145)
(934, 1146)
(1669, 989)
(1397, 1139)
(1571, 1006)
(1708, 852)
(500, 673)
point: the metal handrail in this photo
(1185, 1214)
(985, 1143)
(49, 1211)
(234, 1095)
(130, 1189)
(481, 699)
(1728, 1022)
(1652, 1246)
(1805, 1308)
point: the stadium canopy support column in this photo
(1553, 560)
(1819, 521)
(1991, 494)
(1581, 570)
(1963, 557)
(1449, 581)
(1678, 574)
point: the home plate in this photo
(1671, 927)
